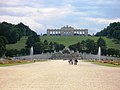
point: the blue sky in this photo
(39, 15)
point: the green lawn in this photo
(20, 44)
(66, 40)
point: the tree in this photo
(79, 47)
(73, 47)
(51, 46)
(83, 44)
(101, 42)
(13, 33)
(91, 46)
(11, 53)
(46, 44)
(58, 47)
(38, 48)
(32, 40)
(3, 43)
(111, 31)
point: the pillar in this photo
(86, 33)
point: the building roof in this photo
(67, 28)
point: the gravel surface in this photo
(59, 75)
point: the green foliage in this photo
(3, 42)
(32, 40)
(101, 42)
(38, 48)
(112, 31)
(45, 43)
(25, 30)
(51, 46)
(10, 34)
(91, 46)
(13, 33)
(76, 47)
(58, 47)
(11, 53)
(19, 45)
(70, 40)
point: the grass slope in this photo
(69, 40)
(74, 39)
(19, 45)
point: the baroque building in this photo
(67, 31)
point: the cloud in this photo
(4, 3)
(103, 20)
(40, 14)
(26, 20)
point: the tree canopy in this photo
(111, 31)
(10, 34)
(13, 33)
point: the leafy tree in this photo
(73, 47)
(13, 33)
(11, 53)
(25, 30)
(111, 31)
(3, 43)
(83, 45)
(51, 46)
(45, 42)
(91, 46)
(79, 47)
(101, 42)
(32, 40)
(46, 46)
(58, 47)
(38, 48)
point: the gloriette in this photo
(67, 31)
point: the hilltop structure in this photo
(67, 31)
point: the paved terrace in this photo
(59, 75)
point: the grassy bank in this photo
(69, 40)
(19, 45)
(66, 40)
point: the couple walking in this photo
(73, 61)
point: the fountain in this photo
(31, 52)
(99, 53)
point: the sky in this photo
(41, 15)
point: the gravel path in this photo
(59, 75)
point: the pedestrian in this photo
(70, 61)
(75, 62)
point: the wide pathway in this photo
(59, 75)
